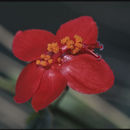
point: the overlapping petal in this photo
(86, 74)
(28, 82)
(51, 86)
(30, 44)
(82, 72)
(83, 26)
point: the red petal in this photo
(88, 75)
(52, 85)
(83, 26)
(28, 82)
(30, 44)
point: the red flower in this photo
(66, 58)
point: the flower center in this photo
(51, 56)
(69, 46)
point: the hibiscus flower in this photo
(55, 61)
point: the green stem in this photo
(61, 97)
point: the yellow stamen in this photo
(73, 45)
(70, 44)
(43, 63)
(49, 44)
(47, 57)
(78, 38)
(50, 61)
(56, 49)
(59, 59)
(37, 62)
(49, 49)
(54, 44)
(79, 45)
(53, 47)
(76, 50)
(64, 40)
(42, 56)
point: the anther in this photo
(50, 61)
(53, 47)
(78, 38)
(79, 45)
(69, 44)
(37, 62)
(47, 57)
(59, 60)
(74, 51)
(64, 40)
(43, 63)
(42, 56)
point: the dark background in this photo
(113, 20)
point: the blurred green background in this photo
(108, 110)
